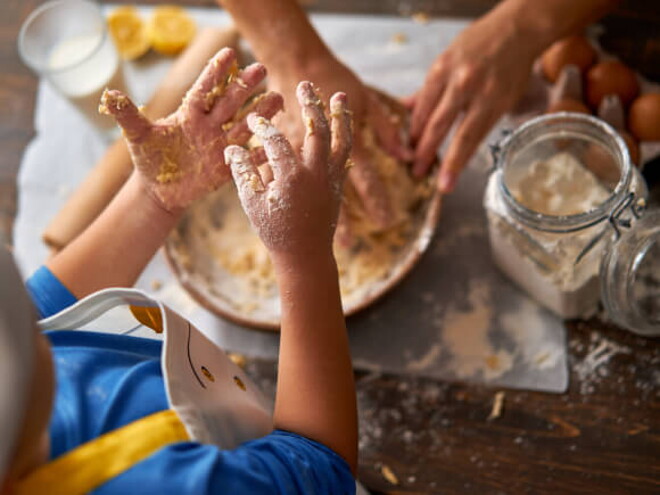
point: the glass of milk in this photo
(67, 42)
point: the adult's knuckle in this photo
(466, 75)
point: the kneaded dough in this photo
(215, 239)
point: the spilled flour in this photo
(479, 341)
(465, 333)
(595, 364)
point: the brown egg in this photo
(575, 50)
(568, 105)
(644, 117)
(611, 78)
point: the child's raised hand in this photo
(296, 212)
(180, 157)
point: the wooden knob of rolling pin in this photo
(115, 166)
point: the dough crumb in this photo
(400, 38)
(388, 474)
(238, 359)
(255, 183)
(421, 17)
(309, 124)
(498, 404)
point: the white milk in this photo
(81, 67)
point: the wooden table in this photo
(602, 436)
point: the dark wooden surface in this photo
(602, 436)
(599, 437)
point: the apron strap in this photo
(88, 466)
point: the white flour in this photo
(559, 186)
(545, 264)
(466, 335)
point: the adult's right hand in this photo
(479, 77)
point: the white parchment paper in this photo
(455, 317)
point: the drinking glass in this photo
(67, 42)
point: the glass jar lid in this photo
(630, 276)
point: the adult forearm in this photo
(547, 21)
(278, 31)
(315, 389)
(114, 250)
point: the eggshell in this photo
(575, 50)
(611, 78)
(644, 117)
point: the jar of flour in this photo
(566, 220)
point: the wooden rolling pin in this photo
(114, 167)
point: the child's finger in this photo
(246, 176)
(342, 135)
(281, 156)
(239, 87)
(316, 146)
(128, 116)
(266, 105)
(212, 81)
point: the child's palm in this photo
(180, 157)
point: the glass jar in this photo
(562, 192)
(630, 275)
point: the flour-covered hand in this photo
(180, 157)
(296, 211)
(330, 76)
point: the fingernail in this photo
(446, 182)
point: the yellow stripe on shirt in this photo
(88, 466)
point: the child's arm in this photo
(177, 159)
(295, 215)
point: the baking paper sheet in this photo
(454, 317)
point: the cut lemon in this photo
(170, 29)
(128, 32)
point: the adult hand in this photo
(330, 76)
(480, 76)
(180, 157)
(296, 211)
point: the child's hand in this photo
(296, 212)
(180, 157)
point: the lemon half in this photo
(128, 32)
(170, 29)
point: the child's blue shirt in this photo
(105, 381)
